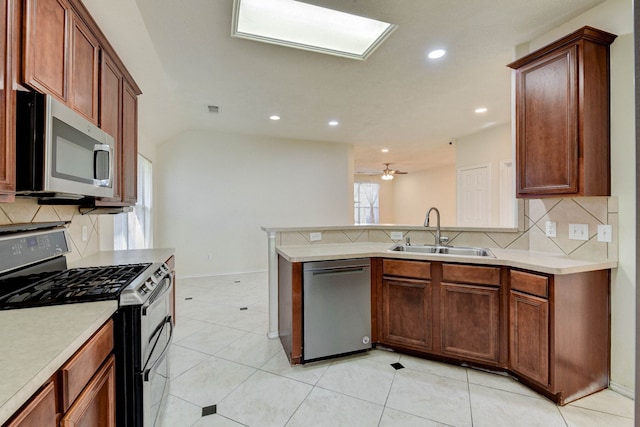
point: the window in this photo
(133, 230)
(366, 204)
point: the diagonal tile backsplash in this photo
(532, 217)
(26, 210)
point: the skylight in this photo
(305, 26)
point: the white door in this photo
(507, 194)
(474, 196)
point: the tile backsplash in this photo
(26, 210)
(532, 217)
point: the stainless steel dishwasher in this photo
(337, 307)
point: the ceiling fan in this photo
(388, 173)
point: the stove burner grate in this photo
(68, 286)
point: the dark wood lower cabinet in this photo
(529, 336)
(470, 321)
(39, 411)
(550, 331)
(407, 318)
(96, 405)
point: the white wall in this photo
(213, 192)
(491, 147)
(415, 193)
(616, 16)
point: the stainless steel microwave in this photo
(59, 153)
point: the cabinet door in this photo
(469, 317)
(83, 87)
(547, 125)
(7, 137)
(39, 411)
(46, 46)
(529, 336)
(129, 173)
(111, 120)
(407, 313)
(96, 405)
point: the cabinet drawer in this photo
(471, 274)
(415, 269)
(76, 373)
(532, 284)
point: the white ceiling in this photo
(183, 57)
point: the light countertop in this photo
(528, 260)
(36, 342)
(132, 256)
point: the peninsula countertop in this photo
(529, 260)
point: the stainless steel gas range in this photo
(33, 273)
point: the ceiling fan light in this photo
(387, 176)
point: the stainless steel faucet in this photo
(426, 223)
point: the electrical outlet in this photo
(396, 235)
(578, 231)
(314, 237)
(605, 232)
(550, 229)
(85, 233)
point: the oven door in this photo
(155, 339)
(155, 375)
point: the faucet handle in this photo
(444, 240)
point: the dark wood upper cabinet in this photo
(7, 100)
(562, 117)
(85, 62)
(129, 172)
(46, 47)
(111, 120)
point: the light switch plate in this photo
(396, 235)
(578, 231)
(605, 232)
(314, 237)
(550, 229)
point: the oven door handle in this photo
(147, 372)
(157, 294)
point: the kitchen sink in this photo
(443, 250)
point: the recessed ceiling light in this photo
(438, 53)
(274, 117)
(333, 123)
(385, 150)
(481, 110)
(309, 27)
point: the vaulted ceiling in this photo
(182, 55)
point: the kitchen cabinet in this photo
(39, 411)
(81, 392)
(7, 102)
(562, 117)
(529, 326)
(129, 172)
(559, 332)
(67, 56)
(46, 48)
(85, 60)
(111, 120)
(470, 312)
(95, 407)
(407, 307)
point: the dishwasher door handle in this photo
(337, 270)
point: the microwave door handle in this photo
(96, 149)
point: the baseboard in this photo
(220, 274)
(620, 389)
(273, 335)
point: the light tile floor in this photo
(221, 356)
